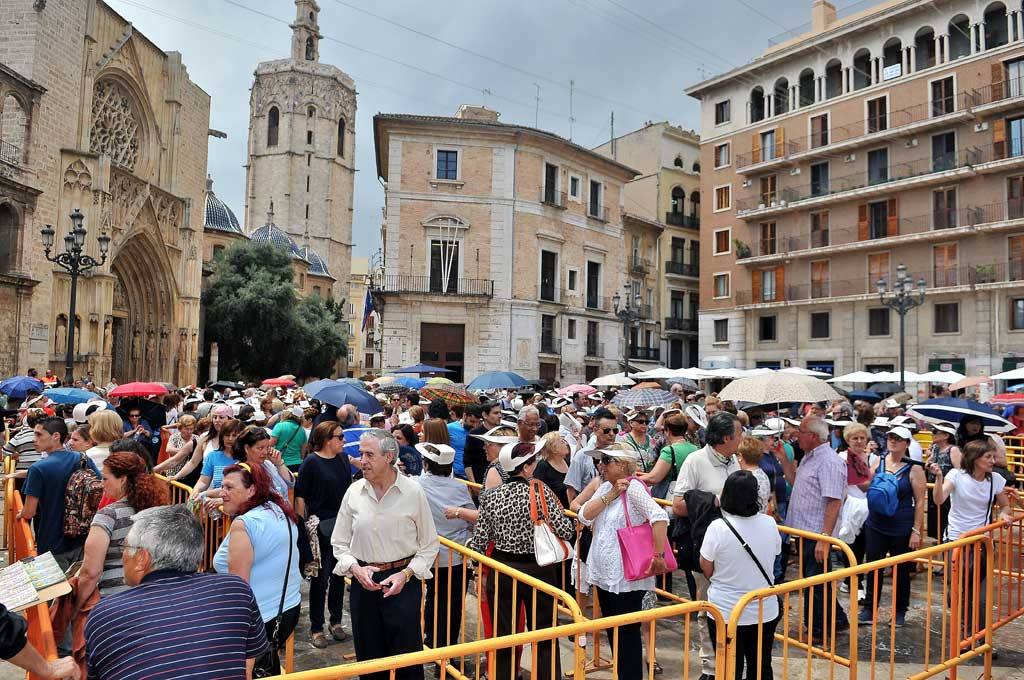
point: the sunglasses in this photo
(607, 460)
(338, 436)
(609, 430)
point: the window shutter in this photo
(862, 222)
(780, 282)
(755, 286)
(999, 138)
(892, 227)
(755, 149)
(997, 81)
(780, 141)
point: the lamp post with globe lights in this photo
(629, 315)
(902, 299)
(75, 262)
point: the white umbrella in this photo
(946, 377)
(894, 376)
(693, 373)
(796, 370)
(855, 377)
(1015, 374)
(660, 373)
(613, 380)
(772, 388)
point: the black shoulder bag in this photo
(271, 665)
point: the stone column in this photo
(768, 105)
(819, 88)
(847, 85)
(911, 58)
(938, 50)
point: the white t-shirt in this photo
(915, 451)
(735, 575)
(969, 501)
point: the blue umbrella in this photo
(314, 388)
(340, 394)
(352, 381)
(411, 383)
(1015, 388)
(69, 395)
(497, 380)
(950, 410)
(422, 368)
(865, 395)
(18, 386)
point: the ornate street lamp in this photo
(629, 315)
(74, 261)
(902, 299)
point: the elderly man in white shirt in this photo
(386, 539)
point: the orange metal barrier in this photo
(939, 614)
(22, 545)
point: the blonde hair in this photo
(855, 428)
(417, 413)
(186, 421)
(105, 426)
(750, 450)
(550, 440)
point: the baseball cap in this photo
(948, 428)
(442, 454)
(901, 432)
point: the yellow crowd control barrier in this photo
(486, 650)
(936, 617)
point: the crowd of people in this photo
(317, 492)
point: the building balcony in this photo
(597, 302)
(991, 274)
(550, 345)
(935, 226)
(645, 353)
(682, 269)
(594, 349)
(865, 184)
(9, 153)
(394, 284)
(599, 213)
(997, 97)
(840, 138)
(677, 219)
(640, 265)
(679, 324)
(556, 199)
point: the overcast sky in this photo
(633, 57)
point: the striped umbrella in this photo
(393, 388)
(949, 410)
(643, 398)
(452, 395)
(685, 382)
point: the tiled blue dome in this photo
(217, 215)
(317, 265)
(270, 233)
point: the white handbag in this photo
(548, 548)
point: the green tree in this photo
(261, 324)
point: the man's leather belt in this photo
(384, 566)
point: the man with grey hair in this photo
(173, 622)
(819, 488)
(386, 540)
(527, 423)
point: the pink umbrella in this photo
(576, 389)
(279, 382)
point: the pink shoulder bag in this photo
(636, 544)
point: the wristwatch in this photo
(408, 574)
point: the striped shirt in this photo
(23, 445)
(116, 520)
(176, 625)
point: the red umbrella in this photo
(137, 389)
(1007, 398)
(279, 382)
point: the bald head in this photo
(348, 415)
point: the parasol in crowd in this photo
(18, 386)
(643, 398)
(314, 388)
(613, 380)
(279, 382)
(688, 385)
(646, 386)
(1015, 374)
(137, 389)
(885, 387)
(972, 381)
(869, 396)
(576, 389)
(438, 380)
(497, 380)
(393, 388)
(386, 379)
(340, 394)
(659, 373)
(422, 368)
(1007, 399)
(451, 394)
(950, 410)
(227, 385)
(356, 382)
(797, 370)
(69, 395)
(411, 383)
(774, 388)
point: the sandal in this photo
(319, 640)
(338, 633)
(658, 670)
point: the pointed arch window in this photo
(309, 49)
(341, 137)
(273, 121)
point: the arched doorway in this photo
(142, 320)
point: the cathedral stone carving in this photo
(115, 129)
(77, 177)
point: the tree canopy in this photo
(261, 323)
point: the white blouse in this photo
(604, 563)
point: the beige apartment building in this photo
(890, 137)
(503, 248)
(662, 223)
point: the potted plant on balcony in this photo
(742, 249)
(984, 273)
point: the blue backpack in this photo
(884, 492)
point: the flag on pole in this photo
(367, 309)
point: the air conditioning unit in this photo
(850, 157)
(911, 143)
(747, 183)
(980, 127)
(794, 171)
(782, 204)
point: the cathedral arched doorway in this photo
(142, 333)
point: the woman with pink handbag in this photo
(629, 550)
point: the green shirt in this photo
(290, 440)
(674, 455)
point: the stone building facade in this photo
(666, 195)
(503, 248)
(97, 117)
(893, 136)
(302, 149)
